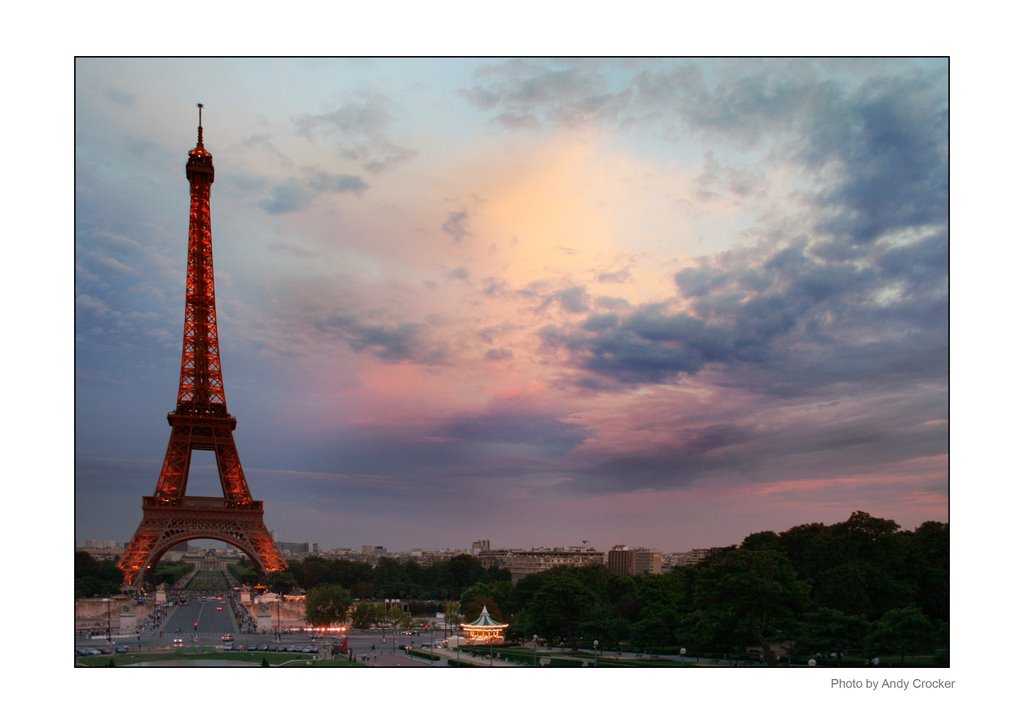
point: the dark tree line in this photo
(100, 577)
(95, 577)
(858, 588)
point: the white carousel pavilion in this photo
(485, 630)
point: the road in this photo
(198, 622)
(202, 617)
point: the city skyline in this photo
(663, 303)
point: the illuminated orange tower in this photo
(200, 421)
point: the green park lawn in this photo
(273, 658)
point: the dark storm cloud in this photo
(775, 311)
(895, 160)
(781, 440)
(362, 121)
(696, 452)
(406, 341)
(867, 299)
(881, 149)
(457, 457)
(513, 426)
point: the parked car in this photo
(227, 637)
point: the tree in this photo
(327, 604)
(282, 582)
(395, 617)
(317, 570)
(827, 630)
(928, 567)
(362, 590)
(902, 631)
(388, 577)
(559, 606)
(95, 577)
(764, 541)
(474, 605)
(747, 596)
(367, 614)
(660, 600)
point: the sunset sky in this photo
(661, 303)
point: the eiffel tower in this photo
(200, 421)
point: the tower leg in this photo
(188, 518)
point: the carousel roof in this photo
(486, 620)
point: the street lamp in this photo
(535, 650)
(596, 644)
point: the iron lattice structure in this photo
(200, 421)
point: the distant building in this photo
(293, 549)
(521, 563)
(212, 562)
(102, 549)
(690, 557)
(479, 546)
(625, 561)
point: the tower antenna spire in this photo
(200, 105)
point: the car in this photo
(121, 649)
(227, 637)
(177, 643)
(220, 608)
